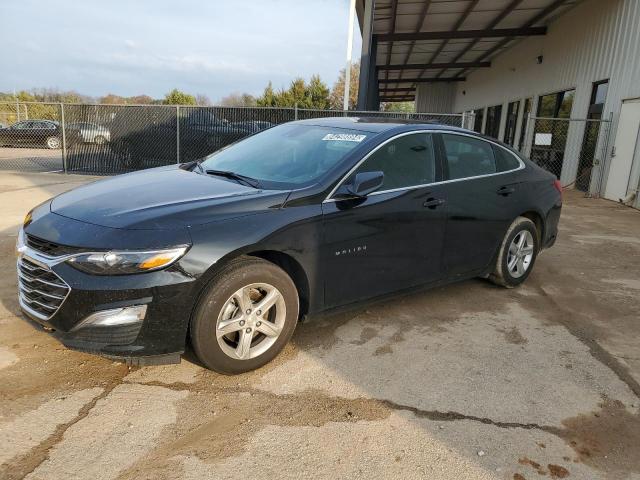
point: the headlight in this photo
(126, 262)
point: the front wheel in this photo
(246, 315)
(53, 143)
(517, 254)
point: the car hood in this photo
(163, 198)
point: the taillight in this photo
(558, 187)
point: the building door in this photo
(626, 148)
(492, 127)
(512, 119)
(591, 134)
(524, 123)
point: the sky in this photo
(211, 47)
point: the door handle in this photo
(505, 191)
(434, 203)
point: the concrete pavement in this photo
(466, 381)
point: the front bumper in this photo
(159, 337)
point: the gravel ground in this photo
(468, 381)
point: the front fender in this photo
(293, 231)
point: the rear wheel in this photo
(246, 315)
(517, 254)
(100, 140)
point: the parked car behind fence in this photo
(32, 133)
(88, 132)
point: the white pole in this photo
(347, 73)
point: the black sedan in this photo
(231, 251)
(33, 133)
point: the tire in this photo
(99, 140)
(221, 305)
(52, 143)
(515, 259)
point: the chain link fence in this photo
(574, 150)
(31, 136)
(111, 139)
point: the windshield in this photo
(287, 156)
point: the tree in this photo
(312, 95)
(336, 98)
(268, 97)
(318, 93)
(238, 100)
(176, 97)
(406, 107)
(112, 99)
(202, 100)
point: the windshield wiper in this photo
(252, 182)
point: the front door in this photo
(391, 239)
(626, 149)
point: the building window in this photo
(512, 121)
(492, 127)
(591, 133)
(478, 118)
(524, 122)
(551, 130)
(556, 105)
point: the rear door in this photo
(391, 239)
(484, 197)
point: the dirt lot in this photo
(469, 381)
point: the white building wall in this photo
(435, 98)
(596, 40)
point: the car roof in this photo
(376, 124)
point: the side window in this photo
(468, 157)
(505, 160)
(406, 161)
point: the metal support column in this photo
(177, 133)
(366, 57)
(64, 139)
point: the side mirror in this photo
(361, 185)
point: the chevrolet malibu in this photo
(227, 253)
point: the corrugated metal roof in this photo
(450, 18)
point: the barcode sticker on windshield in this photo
(344, 137)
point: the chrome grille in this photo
(41, 290)
(51, 249)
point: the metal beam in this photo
(421, 19)
(397, 99)
(456, 27)
(394, 9)
(427, 66)
(538, 17)
(401, 89)
(503, 14)
(453, 34)
(422, 80)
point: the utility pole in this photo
(347, 72)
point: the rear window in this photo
(468, 156)
(505, 160)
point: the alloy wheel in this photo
(251, 321)
(520, 254)
(53, 142)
